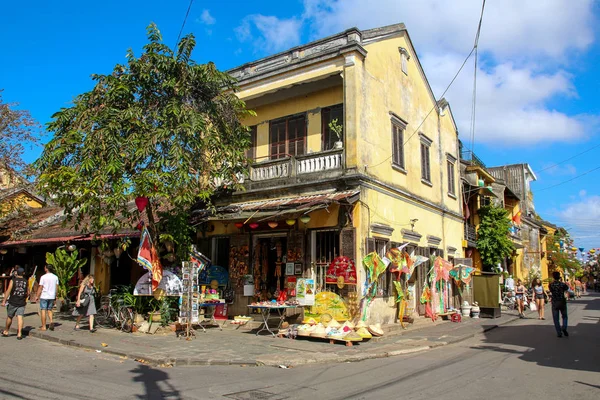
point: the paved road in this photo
(521, 360)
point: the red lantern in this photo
(253, 225)
(239, 225)
(141, 203)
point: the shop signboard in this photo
(305, 291)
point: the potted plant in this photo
(337, 129)
(65, 266)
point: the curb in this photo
(157, 362)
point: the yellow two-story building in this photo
(352, 153)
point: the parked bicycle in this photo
(111, 315)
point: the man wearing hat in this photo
(18, 291)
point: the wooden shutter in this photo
(347, 243)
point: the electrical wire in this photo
(568, 180)
(184, 21)
(474, 99)
(569, 159)
(446, 90)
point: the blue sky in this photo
(537, 83)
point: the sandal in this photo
(4, 334)
(19, 337)
(76, 328)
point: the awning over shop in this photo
(268, 208)
(64, 239)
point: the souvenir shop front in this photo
(268, 248)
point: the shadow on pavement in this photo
(152, 378)
(577, 352)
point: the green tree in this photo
(493, 242)
(561, 258)
(65, 266)
(161, 127)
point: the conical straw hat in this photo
(376, 329)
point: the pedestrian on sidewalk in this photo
(17, 290)
(520, 296)
(86, 305)
(47, 295)
(538, 295)
(559, 304)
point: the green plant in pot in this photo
(337, 129)
(65, 264)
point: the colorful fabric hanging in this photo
(461, 273)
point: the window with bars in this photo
(384, 282)
(329, 114)
(287, 136)
(451, 180)
(251, 152)
(398, 128)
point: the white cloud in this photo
(269, 33)
(524, 48)
(206, 19)
(558, 170)
(582, 219)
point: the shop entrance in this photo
(269, 264)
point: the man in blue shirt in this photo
(559, 304)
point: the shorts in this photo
(46, 304)
(519, 296)
(539, 296)
(11, 311)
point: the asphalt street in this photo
(520, 360)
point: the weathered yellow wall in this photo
(377, 87)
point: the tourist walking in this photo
(47, 295)
(520, 296)
(539, 296)
(559, 304)
(17, 290)
(86, 305)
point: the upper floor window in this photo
(398, 128)
(425, 160)
(251, 152)
(450, 166)
(287, 136)
(329, 114)
(404, 59)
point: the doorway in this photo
(269, 264)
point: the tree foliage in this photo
(560, 257)
(493, 242)
(161, 127)
(65, 266)
(17, 130)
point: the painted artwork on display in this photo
(305, 291)
(341, 268)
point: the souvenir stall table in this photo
(266, 309)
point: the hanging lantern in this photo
(239, 225)
(305, 219)
(273, 224)
(71, 247)
(290, 221)
(592, 251)
(3, 251)
(141, 203)
(253, 225)
(573, 248)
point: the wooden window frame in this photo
(451, 171)
(397, 130)
(327, 137)
(425, 159)
(285, 144)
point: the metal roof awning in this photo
(284, 206)
(62, 239)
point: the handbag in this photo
(85, 301)
(532, 306)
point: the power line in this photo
(447, 88)
(474, 100)
(184, 21)
(570, 158)
(569, 180)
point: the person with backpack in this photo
(559, 304)
(18, 292)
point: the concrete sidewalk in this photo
(233, 346)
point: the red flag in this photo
(517, 218)
(148, 258)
